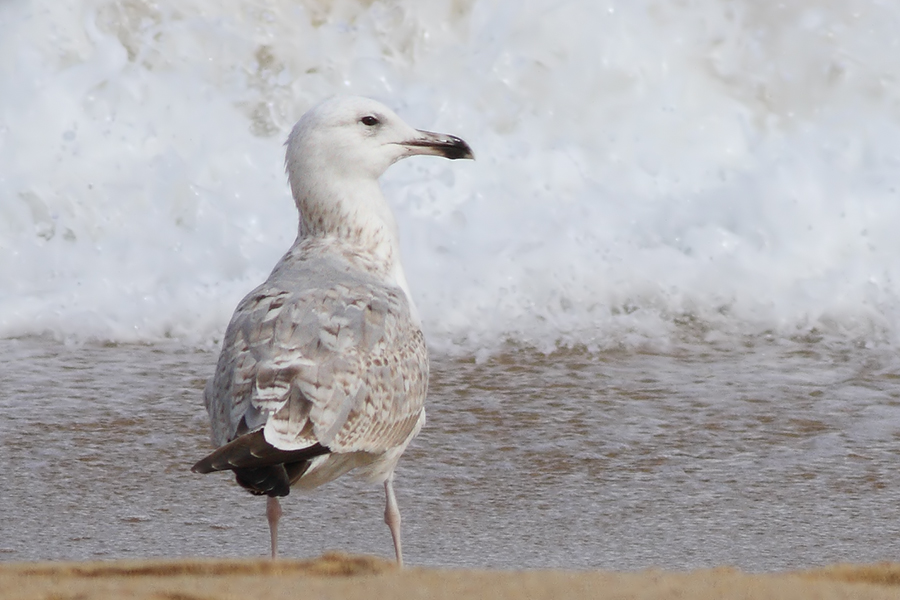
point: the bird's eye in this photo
(369, 120)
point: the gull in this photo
(323, 367)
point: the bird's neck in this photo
(355, 218)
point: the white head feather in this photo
(335, 155)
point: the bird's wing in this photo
(342, 366)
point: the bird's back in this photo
(325, 353)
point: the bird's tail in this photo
(260, 467)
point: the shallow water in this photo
(774, 456)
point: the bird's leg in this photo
(273, 513)
(392, 517)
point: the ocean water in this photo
(661, 303)
(648, 172)
(768, 458)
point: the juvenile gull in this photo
(323, 367)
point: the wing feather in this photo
(341, 365)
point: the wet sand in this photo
(351, 577)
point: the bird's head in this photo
(356, 137)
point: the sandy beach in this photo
(350, 577)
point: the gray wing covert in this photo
(342, 366)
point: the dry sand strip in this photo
(339, 576)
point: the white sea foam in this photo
(646, 170)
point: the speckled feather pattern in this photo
(326, 351)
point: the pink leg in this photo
(392, 517)
(273, 513)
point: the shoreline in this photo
(352, 577)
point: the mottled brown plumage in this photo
(334, 360)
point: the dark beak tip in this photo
(460, 152)
(458, 149)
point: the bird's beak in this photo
(438, 144)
